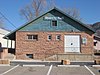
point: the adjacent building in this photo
(5, 44)
(96, 26)
(54, 32)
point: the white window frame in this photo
(57, 37)
(48, 37)
(84, 40)
(32, 37)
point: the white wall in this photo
(97, 47)
(3, 41)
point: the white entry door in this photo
(72, 43)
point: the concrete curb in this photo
(25, 60)
(81, 61)
(33, 65)
(4, 65)
(31, 61)
(68, 65)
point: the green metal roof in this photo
(12, 34)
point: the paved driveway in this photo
(48, 70)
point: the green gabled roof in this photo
(12, 34)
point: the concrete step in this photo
(75, 57)
(71, 57)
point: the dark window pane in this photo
(29, 36)
(54, 23)
(95, 43)
(35, 37)
(29, 56)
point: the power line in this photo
(8, 20)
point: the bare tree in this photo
(33, 10)
(27, 13)
(38, 6)
(74, 12)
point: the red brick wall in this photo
(44, 48)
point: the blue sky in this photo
(89, 10)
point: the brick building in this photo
(54, 32)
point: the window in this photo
(32, 37)
(29, 56)
(35, 37)
(95, 43)
(49, 37)
(58, 37)
(84, 40)
(54, 23)
(29, 36)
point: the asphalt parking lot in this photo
(48, 70)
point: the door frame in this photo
(79, 42)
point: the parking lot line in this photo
(33, 65)
(9, 70)
(95, 65)
(49, 70)
(68, 65)
(89, 70)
